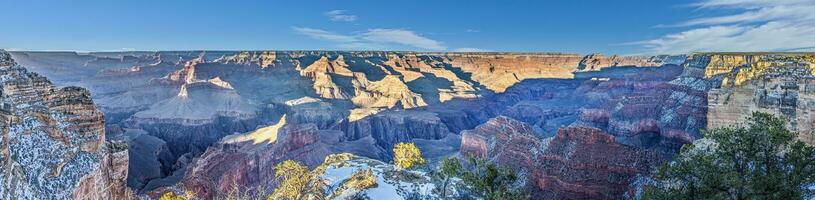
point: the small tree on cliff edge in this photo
(758, 160)
(296, 182)
(491, 182)
(407, 155)
(172, 196)
(448, 169)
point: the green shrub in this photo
(757, 160)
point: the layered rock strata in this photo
(782, 85)
(53, 141)
(176, 107)
(577, 163)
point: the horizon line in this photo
(406, 51)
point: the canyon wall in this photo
(574, 126)
(53, 141)
(779, 84)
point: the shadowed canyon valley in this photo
(573, 126)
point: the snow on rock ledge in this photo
(52, 141)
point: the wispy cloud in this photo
(373, 38)
(325, 35)
(402, 36)
(340, 16)
(755, 25)
(467, 49)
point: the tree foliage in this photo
(172, 196)
(362, 179)
(449, 168)
(757, 160)
(407, 155)
(491, 182)
(296, 182)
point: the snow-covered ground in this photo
(391, 183)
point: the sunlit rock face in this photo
(575, 126)
(594, 62)
(781, 84)
(53, 141)
(187, 114)
(497, 72)
(247, 160)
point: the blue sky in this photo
(610, 27)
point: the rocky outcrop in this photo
(502, 138)
(263, 59)
(577, 163)
(247, 160)
(109, 180)
(52, 142)
(498, 72)
(577, 126)
(585, 163)
(389, 92)
(781, 84)
(594, 62)
(321, 72)
(389, 128)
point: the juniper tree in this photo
(759, 159)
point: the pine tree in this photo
(448, 169)
(757, 160)
(491, 181)
(296, 182)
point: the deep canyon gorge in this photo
(573, 126)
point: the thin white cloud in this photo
(763, 14)
(747, 3)
(373, 39)
(325, 35)
(340, 16)
(361, 46)
(467, 49)
(755, 25)
(403, 37)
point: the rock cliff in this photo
(780, 84)
(187, 115)
(53, 141)
(577, 163)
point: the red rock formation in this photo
(353, 93)
(246, 164)
(500, 71)
(578, 163)
(585, 163)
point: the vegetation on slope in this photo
(760, 159)
(297, 182)
(475, 179)
(407, 155)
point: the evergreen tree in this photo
(491, 182)
(448, 169)
(296, 182)
(757, 160)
